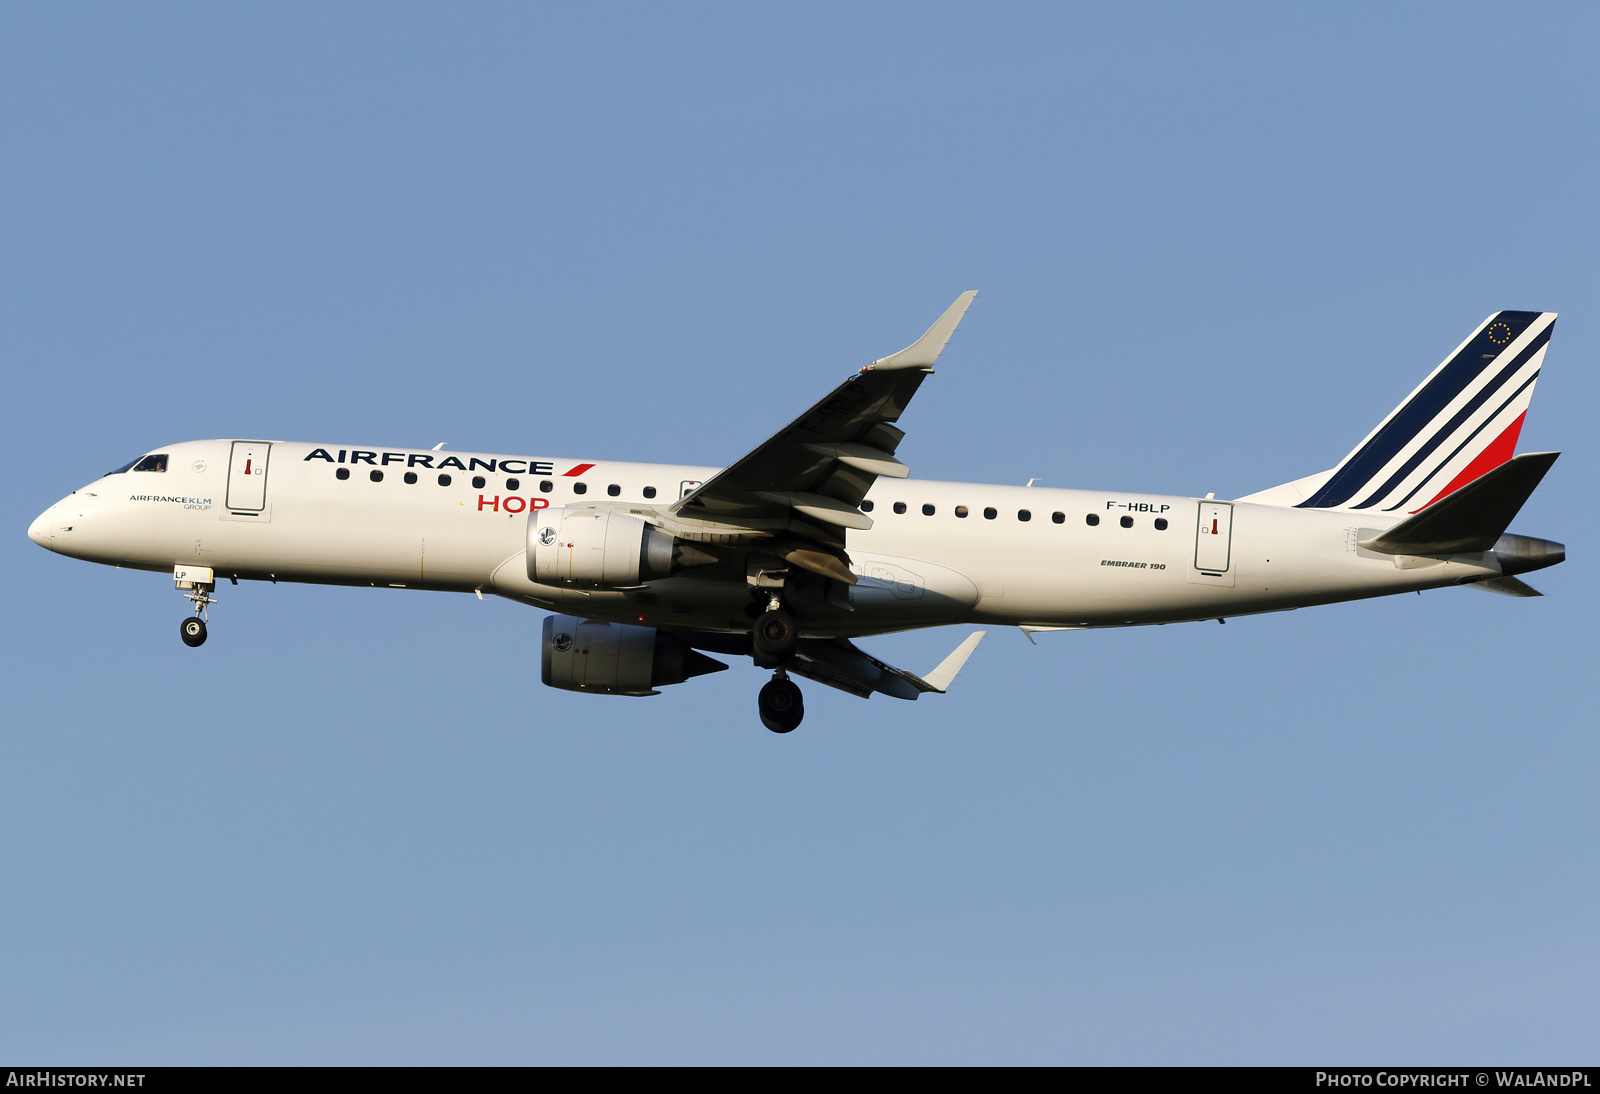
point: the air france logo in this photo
(562, 642)
(547, 535)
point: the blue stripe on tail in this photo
(1420, 411)
(1448, 430)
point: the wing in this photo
(808, 479)
(841, 664)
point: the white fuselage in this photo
(1079, 558)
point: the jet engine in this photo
(595, 549)
(616, 658)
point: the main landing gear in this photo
(780, 703)
(773, 641)
(777, 633)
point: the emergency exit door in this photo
(1213, 539)
(247, 477)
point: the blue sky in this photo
(1215, 245)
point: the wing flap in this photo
(818, 507)
(864, 458)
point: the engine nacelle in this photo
(596, 549)
(616, 658)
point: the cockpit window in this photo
(157, 462)
(125, 467)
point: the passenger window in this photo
(342, 474)
(990, 514)
(545, 486)
(1023, 514)
(1059, 518)
(375, 476)
(866, 507)
(580, 488)
(1161, 524)
(444, 480)
(649, 491)
(1091, 519)
(614, 490)
(411, 478)
(513, 484)
(477, 482)
(152, 463)
(927, 510)
(899, 507)
(961, 511)
(1127, 522)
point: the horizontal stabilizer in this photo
(1472, 518)
(1506, 586)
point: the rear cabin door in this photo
(1213, 539)
(247, 477)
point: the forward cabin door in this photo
(247, 477)
(1213, 541)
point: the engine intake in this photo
(616, 658)
(596, 549)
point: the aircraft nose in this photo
(39, 530)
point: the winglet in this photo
(939, 679)
(925, 350)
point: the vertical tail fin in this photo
(1460, 423)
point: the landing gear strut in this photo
(780, 704)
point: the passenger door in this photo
(247, 477)
(1213, 540)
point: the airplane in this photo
(819, 536)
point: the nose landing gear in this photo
(780, 704)
(199, 585)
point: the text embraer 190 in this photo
(819, 535)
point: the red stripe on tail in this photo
(1499, 451)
